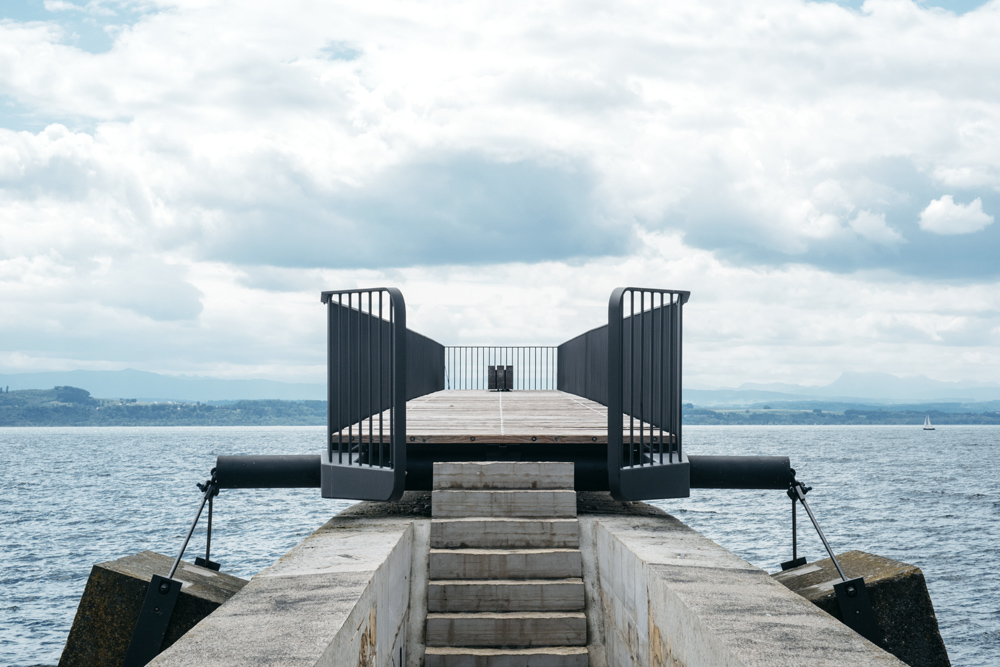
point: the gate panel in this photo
(366, 394)
(645, 455)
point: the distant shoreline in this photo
(71, 406)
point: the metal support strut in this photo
(162, 593)
(856, 609)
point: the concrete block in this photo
(701, 609)
(506, 595)
(493, 503)
(520, 629)
(505, 533)
(505, 564)
(111, 601)
(542, 656)
(503, 475)
(899, 596)
(338, 599)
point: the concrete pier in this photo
(656, 593)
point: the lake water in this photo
(72, 497)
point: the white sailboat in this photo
(927, 423)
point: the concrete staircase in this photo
(505, 586)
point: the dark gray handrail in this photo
(644, 383)
(535, 366)
(374, 365)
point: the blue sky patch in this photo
(957, 6)
(89, 26)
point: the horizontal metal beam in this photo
(268, 472)
(740, 472)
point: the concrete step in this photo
(542, 656)
(503, 475)
(506, 595)
(505, 563)
(514, 629)
(493, 503)
(505, 533)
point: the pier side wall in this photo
(340, 598)
(671, 597)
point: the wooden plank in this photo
(544, 417)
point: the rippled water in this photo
(72, 497)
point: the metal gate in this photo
(374, 365)
(645, 455)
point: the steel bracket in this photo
(210, 564)
(154, 616)
(856, 609)
(795, 562)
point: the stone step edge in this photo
(500, 551)
(562, 520)
(500, 615)
(504, 582)
(480, 651)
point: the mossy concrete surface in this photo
(899, 596)
(113, 597)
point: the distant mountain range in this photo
(149, 387)
(851, 387)
(847, 390)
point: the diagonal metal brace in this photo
(161, 596)
(856, 609)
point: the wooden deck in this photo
(452, 417)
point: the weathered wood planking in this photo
(503, 418)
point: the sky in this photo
(180, 179)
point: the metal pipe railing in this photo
(535, 366)
(374, 365)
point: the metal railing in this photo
(535, 366)
(633, 366)
(374, 366)
(644, 383)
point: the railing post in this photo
(615, 353)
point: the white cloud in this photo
(234, 158)
(872, 226)
(944, 216)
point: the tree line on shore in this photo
(72, 406)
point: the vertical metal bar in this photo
(669, 403)
(348, 384)
(631, 381)
(340, 378)
(642, 370)
(381, 372)
(371, 383)
(392, 384)
(680, 389)
(795, 542)
(398, 457)
(661, 402)
(361, 415)
(614, 372)
(331, 410)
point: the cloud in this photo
(872, 226)
(459, 208)
(194, 173)
(944, 216)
